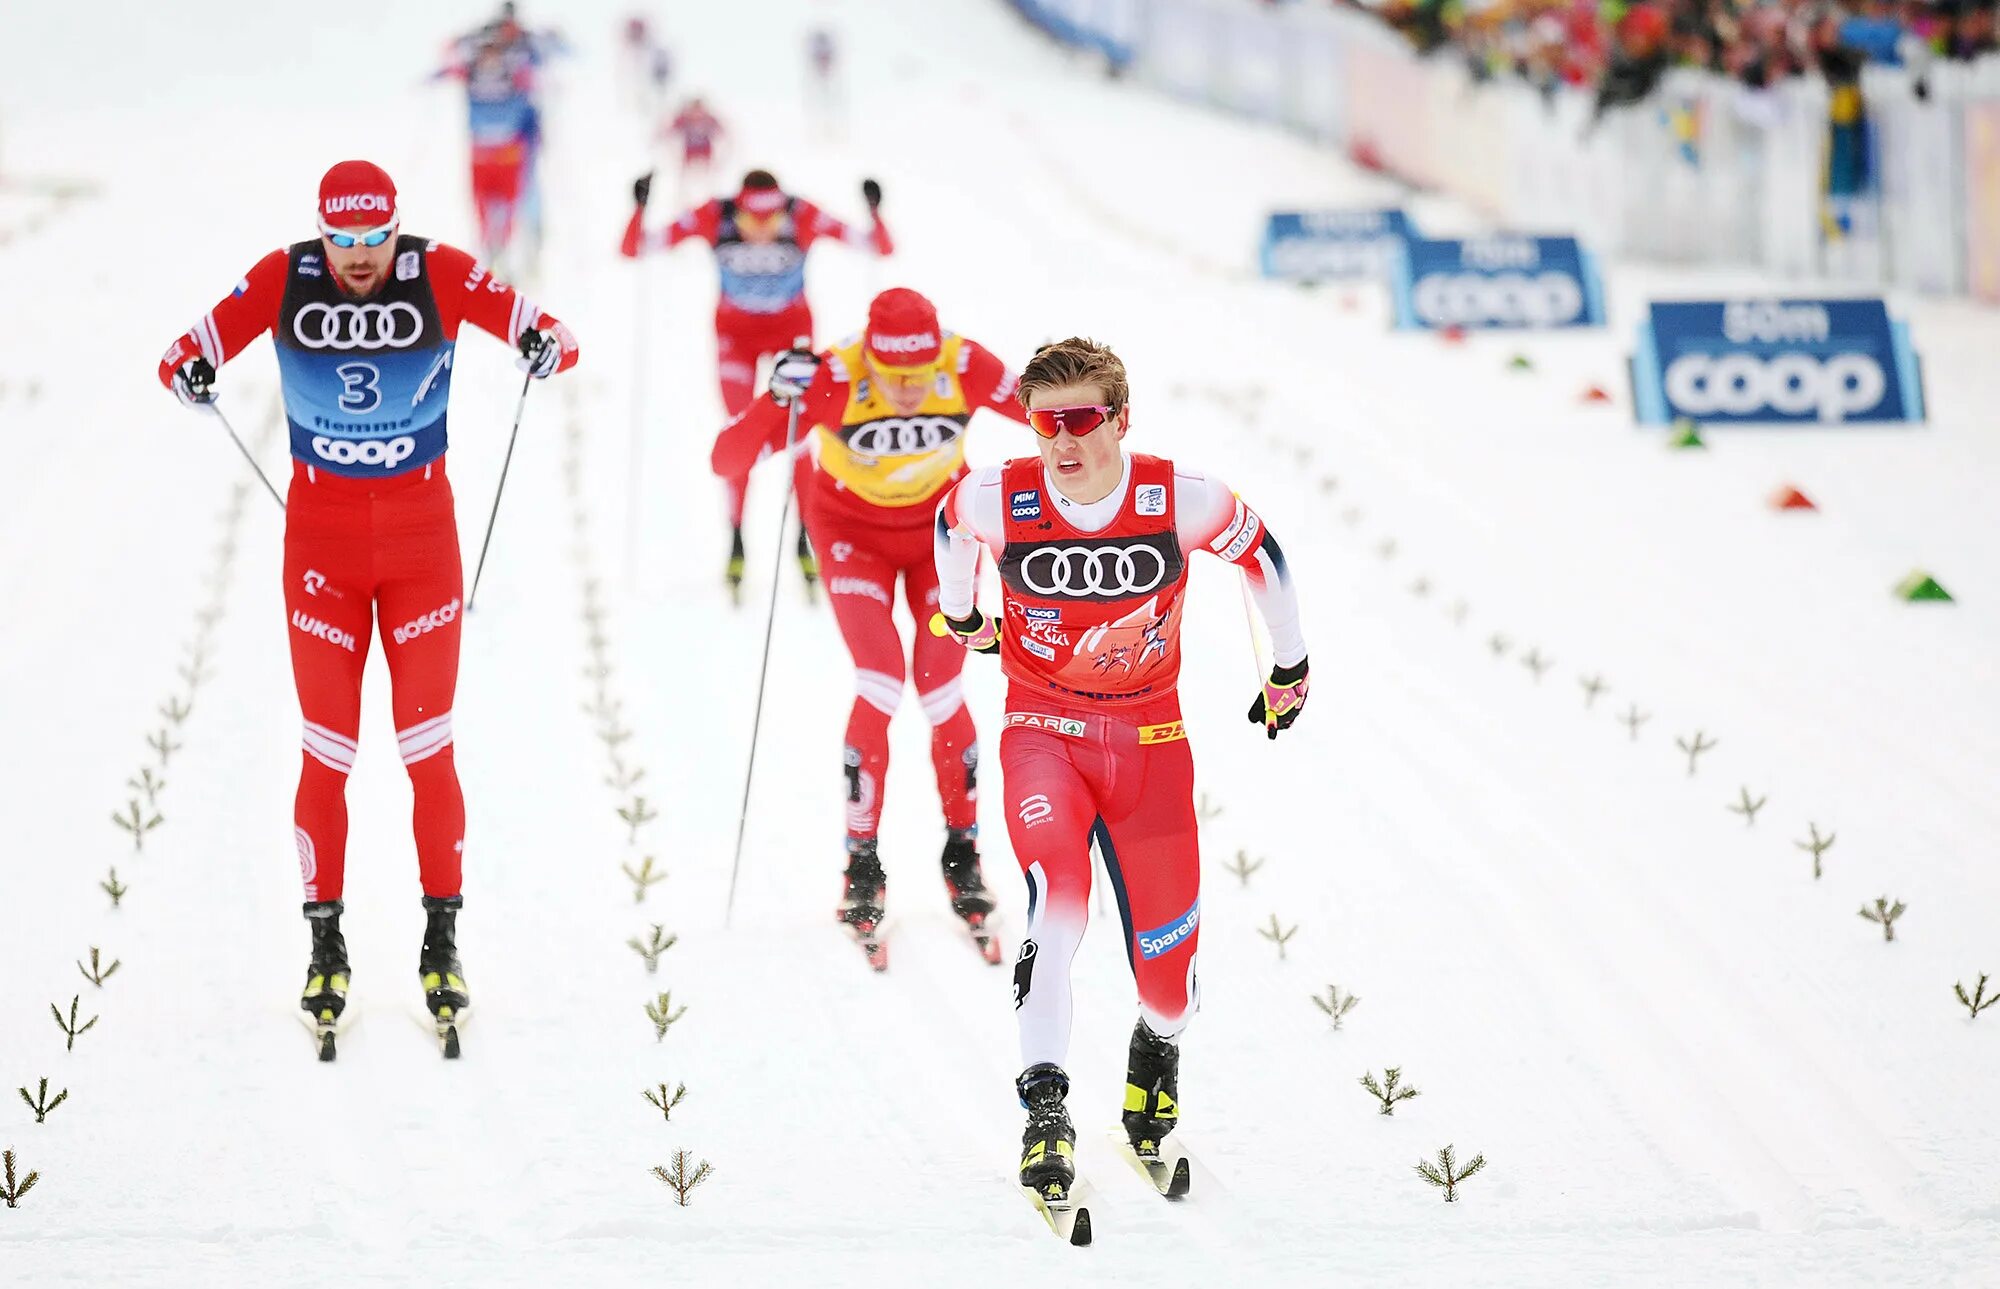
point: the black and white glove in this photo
(792, 375)
(541, 354)
(642, 188)
(194, 383)
(871, 192)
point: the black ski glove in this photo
(871, 192)
(642, 188)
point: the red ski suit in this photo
(761, 309)
(1093, 749)
(868, 481)
(370, 530)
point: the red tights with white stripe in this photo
(356, 550)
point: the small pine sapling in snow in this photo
(1243, 866)
(1633, 719)
(614, 734)
(1748, 808)
(652, 947)
(665, 1101)
(163, 746)
(1459, 610)
(621, 778)
(40, 1102)
(1387, 550)
(1205, 810)
(1278, 935)
(135, 822)
(643, 877)
(15, 1190)
(148, 784)
(1694, 748)
(97, 973)
(1818, 845)
(114, 888)
(1387, 1091)
(1447, 1174)
(70, 1027)
(1534, 662)
(1421, 587)
(636, 815)
(176, 709)
(1336, 1005)
(1592, 687)
(1978, 1002)
(686, 1175)
(662, 1012)
(1885, 913)
(1499, 644)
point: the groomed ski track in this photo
(1685, 1060)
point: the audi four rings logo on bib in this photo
(1077, 571)
(358, 326)
(894, 436)
(387, 453)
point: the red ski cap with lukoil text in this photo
(357, 194)
(903, 330)
(761, 201)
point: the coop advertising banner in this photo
(1329, 245)
(1775, 362)
(1503, 282)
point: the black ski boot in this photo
(808, 564)
(444, 979)
(969, 897)
(861, 899)
(1152, 1090)
(325, 995)
(733, 571)
(1048, 1144)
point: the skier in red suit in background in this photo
(761, 237)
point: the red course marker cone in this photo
(1790, 498)
(1452, 335)
(1596, 394)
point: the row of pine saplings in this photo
(138, 820)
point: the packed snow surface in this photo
(1685, 1060)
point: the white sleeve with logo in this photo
(968, 518)
(1209, 516)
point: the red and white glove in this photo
(1281, 700)
(978, 633)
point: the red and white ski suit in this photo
(370, 530)
(1093, 748)
(868, 482)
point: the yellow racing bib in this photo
(889, 459)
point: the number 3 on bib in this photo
(358, 392)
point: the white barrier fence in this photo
(1705, 170)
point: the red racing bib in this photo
(1092, 616)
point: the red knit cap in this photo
(903, 329)
(357, 194)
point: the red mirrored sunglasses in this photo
(1079, 421)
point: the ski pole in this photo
(1250, 621)
(635, 455)
(244, 448)
(487, 545)
(764, 667)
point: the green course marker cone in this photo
(1520, 362)
(1919, 586)
(1686, 434)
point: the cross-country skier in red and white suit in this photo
(1092, 545)
(761, 237)
(365, 322)
(881, 436)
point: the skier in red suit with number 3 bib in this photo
(1092, 546)
(365, 320)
